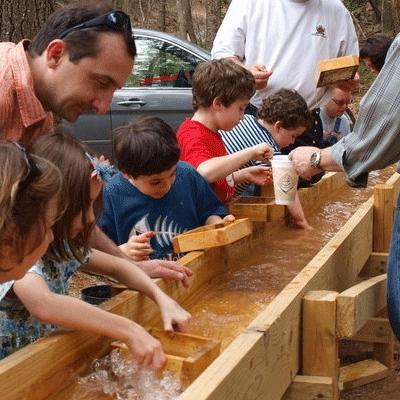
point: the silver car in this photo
(160, 85)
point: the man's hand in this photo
(261, 75)
(300, 158)
(349, 85)
(169, 270)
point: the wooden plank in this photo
(383, 217)
(375, 330)
(361, 373)
(247, 379)
(252, 207)
(356, 305)
(375, 265)
(394, 181)
(334, 70)
(212, 236)
(320, 347)
(310, 388)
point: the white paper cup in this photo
(285, 180)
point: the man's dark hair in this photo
(375, 49)
(287, 107)
(147, 146)
(80, 43)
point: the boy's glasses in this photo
(115, 20)
(341, 103)
(33, 170)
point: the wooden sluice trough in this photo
(289, 350)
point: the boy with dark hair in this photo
(282, 118)
(155, 196)
(221, 91)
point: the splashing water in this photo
(123, 379)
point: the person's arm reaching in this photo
(374, 142)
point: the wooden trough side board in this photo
(262, 362)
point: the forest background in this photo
(194, 20)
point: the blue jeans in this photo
(393, 276)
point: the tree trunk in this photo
(185, 21)
(162, 13)
(21, 19)
(213, 20)
(396, 15)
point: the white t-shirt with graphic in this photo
(289, 37)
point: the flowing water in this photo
(233, 299)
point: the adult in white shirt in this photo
(281, 42)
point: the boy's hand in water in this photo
(138, 247)
(146, 350)
(165, 269)
(175, 318)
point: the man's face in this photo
(89, 84)
(338, 104)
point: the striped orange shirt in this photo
(22, 116)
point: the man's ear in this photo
(55, 50)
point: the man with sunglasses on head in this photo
(74, 64)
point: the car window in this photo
(161, 64)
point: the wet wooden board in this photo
(215, 235)
(335, 70)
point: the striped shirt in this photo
(22, 117)
(247, 133)
(375, 140)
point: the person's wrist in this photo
(315, 159)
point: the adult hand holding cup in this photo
(285, 179)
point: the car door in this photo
(160, 84)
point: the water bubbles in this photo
(123, 379)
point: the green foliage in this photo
(354, 4)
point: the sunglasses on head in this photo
(115, 20)
(33, 170)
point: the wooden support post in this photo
(383, 217)
(320, 347)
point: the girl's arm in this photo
(174, 316)
(72, 313)
(220, 167)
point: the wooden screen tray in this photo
(334, 70)
(212, 236)
(255, 208)
(187, 355)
